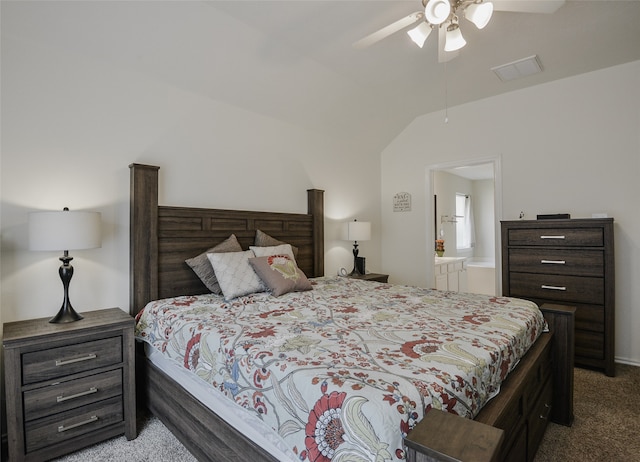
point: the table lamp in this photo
(64, 231)
(358, 231)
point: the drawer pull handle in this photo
(90, 391)
(63, 428)
(547, 408)
(62, 362)
(551, 237)
(553, 287)
(553, 262)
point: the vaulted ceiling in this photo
(294, 60)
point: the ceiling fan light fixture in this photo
(437, 11)
(479, 13)
(420, 33)
(454, 39)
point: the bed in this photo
(163, 237)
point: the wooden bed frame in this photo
(162, 237)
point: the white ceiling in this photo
(294, 60)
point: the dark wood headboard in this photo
(163, 237)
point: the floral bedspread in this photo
(344, 371)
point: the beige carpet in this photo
(606, 428)
(607, 420)
(155, 443)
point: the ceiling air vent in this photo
(517, 69)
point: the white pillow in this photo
(283, 249)
(234, 273)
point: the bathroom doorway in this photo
(471, 267)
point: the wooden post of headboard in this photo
(143, 236)
(315, 207)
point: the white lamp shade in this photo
(420, 33)
(479, 13)
(437, 11)
(454, 39)
(64, 230)
(359, 231)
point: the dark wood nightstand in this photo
(370, 277)
(69, 385)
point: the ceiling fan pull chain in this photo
(446, 96)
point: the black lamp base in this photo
(66, 313)
(358, 262)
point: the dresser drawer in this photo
(557, 287)
(539, 416)
(58, 362)
(537, 381)
(576, 262)
(61, 427)
(589, 344)
(574, 237)
(63, 396)
(590, 317)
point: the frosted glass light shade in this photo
(479, 13)
(454, 39)
(64, 230)
(420, 33)
(359, 231)
(437, 11)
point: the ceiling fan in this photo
(444, 15)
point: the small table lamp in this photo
(358, 231)
(65, 231)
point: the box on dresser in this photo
(68, 385)
(568, 262)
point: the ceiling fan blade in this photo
(528, 6)
(444, 56)
(389, 30)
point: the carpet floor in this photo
(606, 425)
(606, 428)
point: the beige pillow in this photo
(282, 249)
(202, 266)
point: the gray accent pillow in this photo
(280, 274)
(202, 266)
(262, 239)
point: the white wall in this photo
(72, 124)
(484, 218)
(572, 145)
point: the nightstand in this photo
(69, 385)
(370, 277)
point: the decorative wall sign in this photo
(402, 202)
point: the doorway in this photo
(484, 275)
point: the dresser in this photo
(567, 262)
(68, 385)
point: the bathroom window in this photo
(464, 222)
